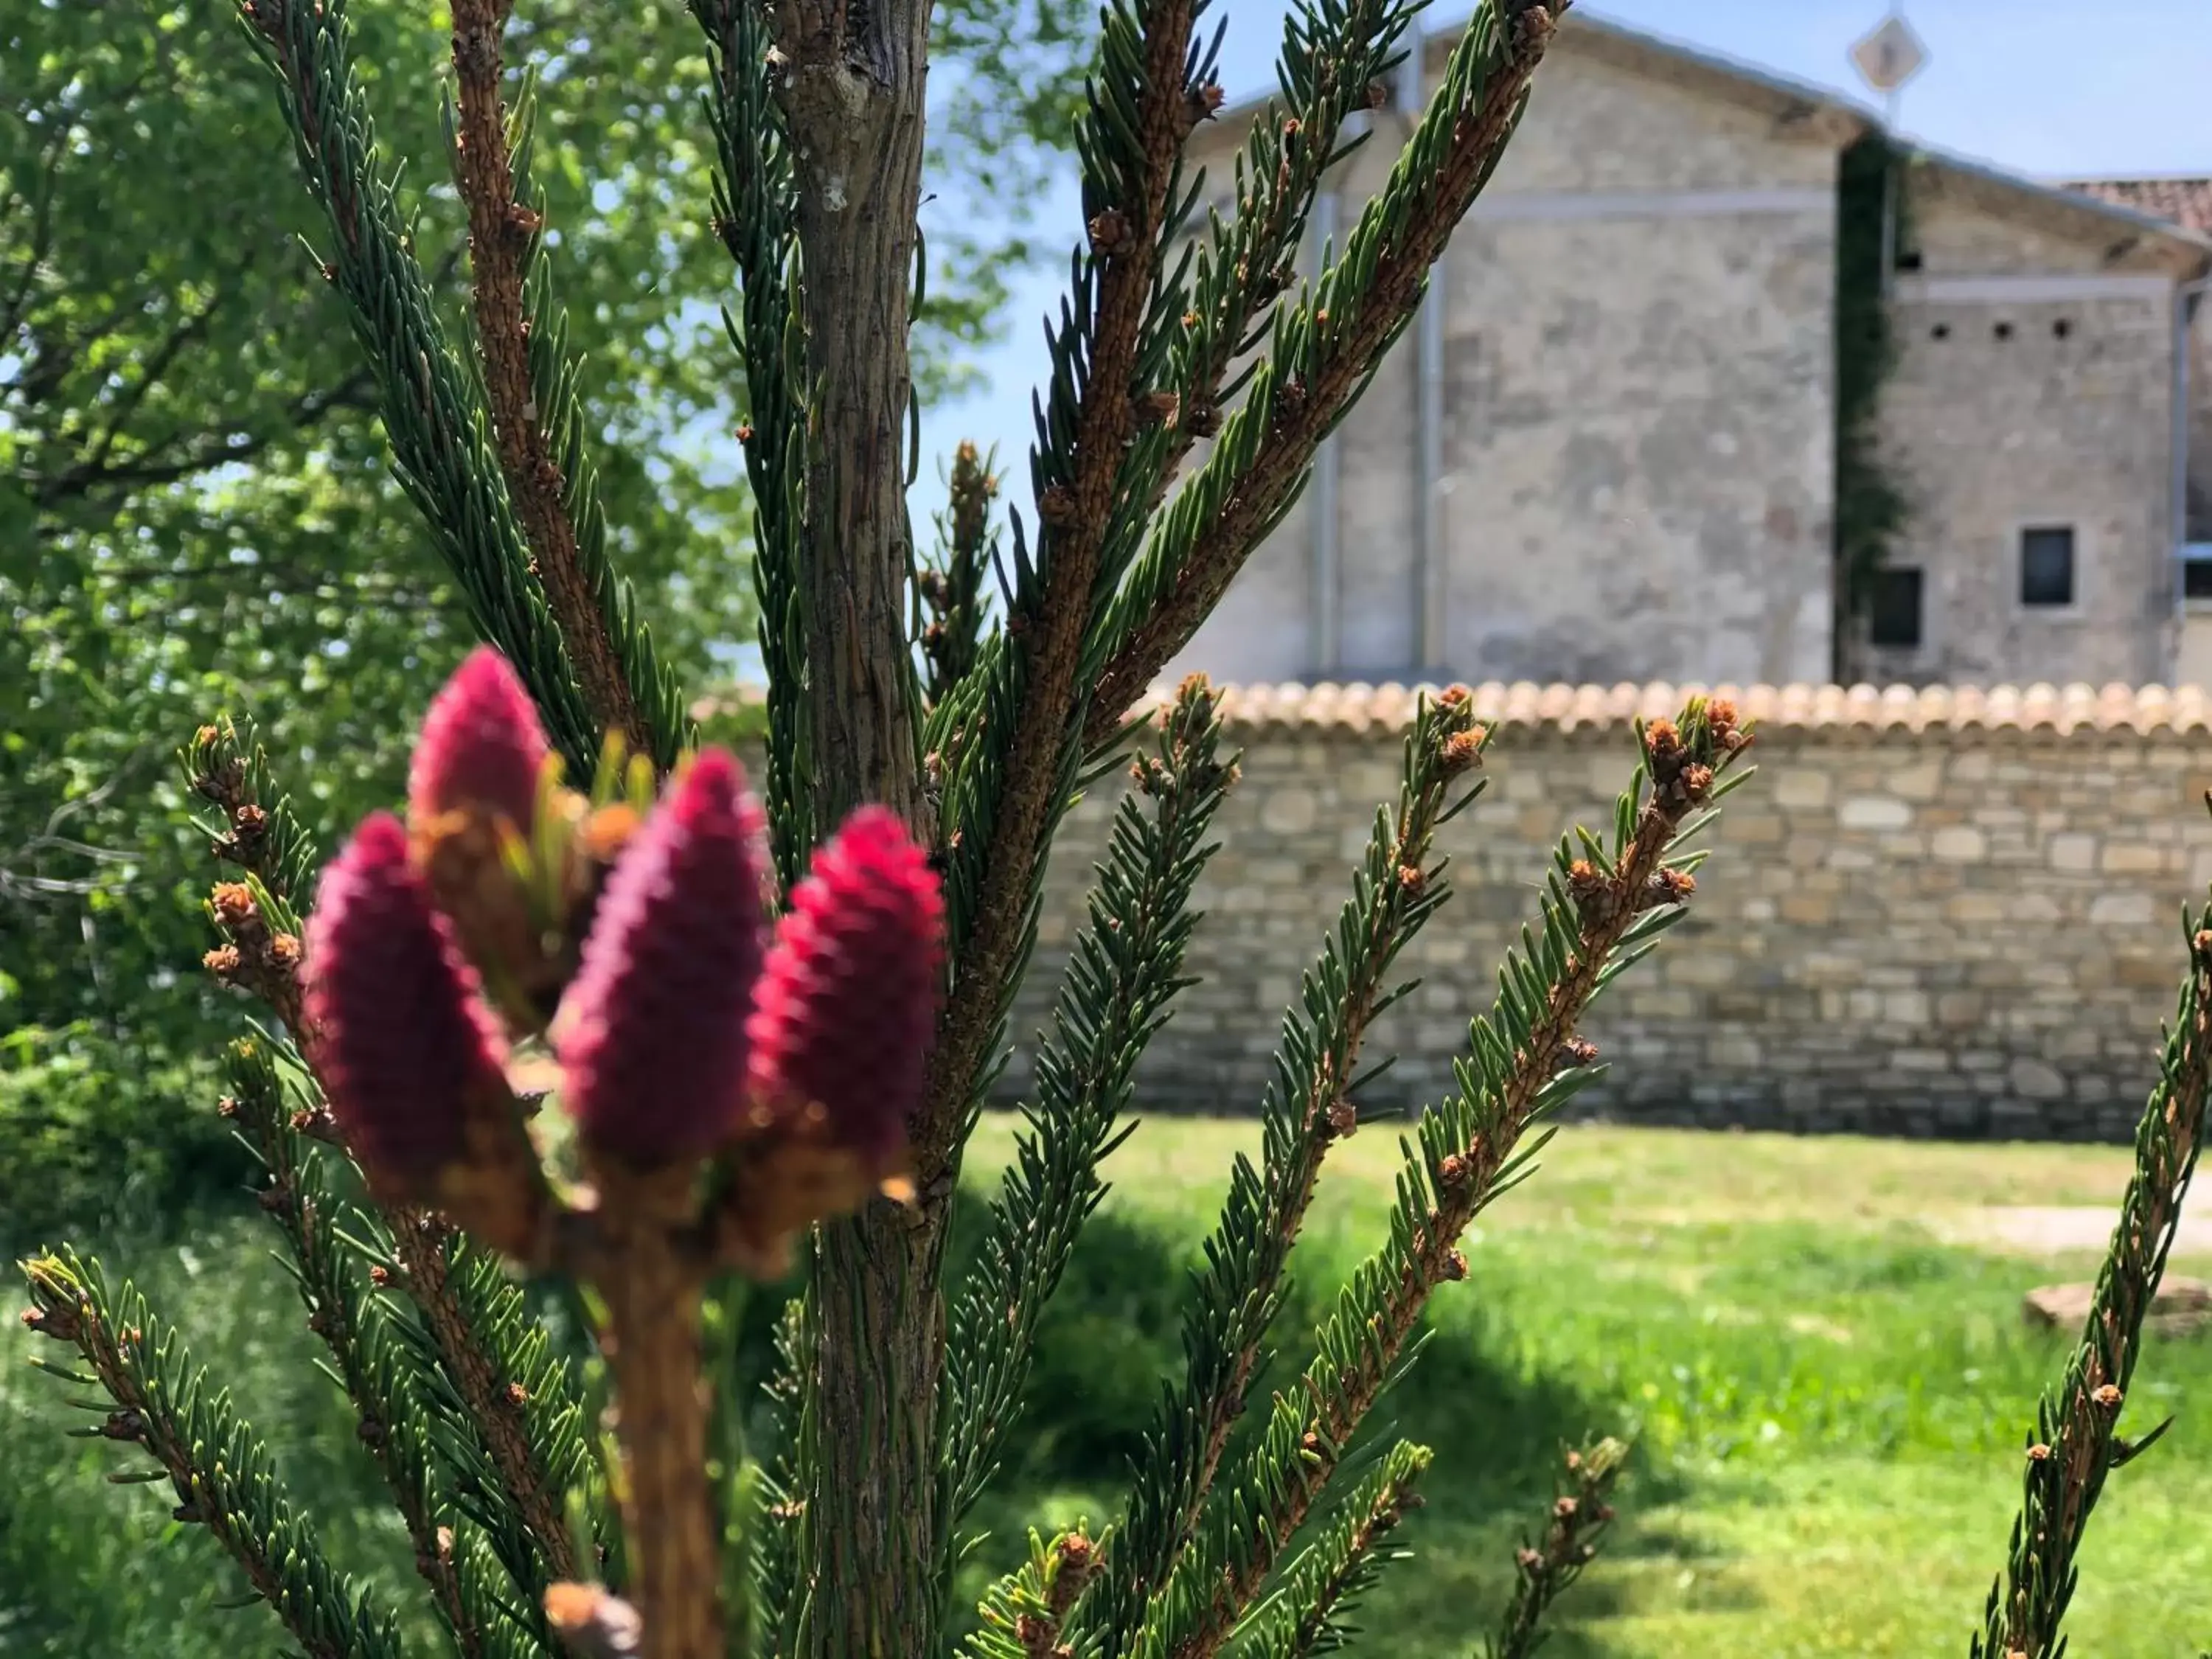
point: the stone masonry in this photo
(1931, 913)
(1608, 451)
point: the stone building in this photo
(1609, 450)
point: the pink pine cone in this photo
(481, 745)
(400, 1035)
(848, 998)
(651, 1033)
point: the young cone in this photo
(840, 1033)
(406, 1051)
(652, 1034)
(481, 750)
(474, 790)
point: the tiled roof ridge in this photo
(1357, 706)
(2184, 200)
(2060, 710)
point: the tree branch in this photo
(1309, 1106)
(350, 1325)
(1543, 1572)
(1125, 970)
(1325, 354)
(1078, 473)
(1601, 914)
(2077, 1442)
(222, 1477)
(501, 230)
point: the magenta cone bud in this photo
(480, 746)
(848, 996)
(399, 1034)
(651, 1033)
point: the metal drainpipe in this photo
(1327, 477)
(2186, 297)
(1430, 585)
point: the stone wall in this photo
(1931, 913)
(2033, 386)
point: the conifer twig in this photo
(424, 1247)
(504, 233)
(1602, 912)
(1125, 969)
(1079, 464)
(1324, 353)
(950, 589)
(1543, 1569)
(342, 1312)
(1309, 1616)
(225, 766)
(222, 1476)
(1310, 1104)
(2077, 1442)
(754, 215)
(1329, 69)
(431, 416)
(652, 1290)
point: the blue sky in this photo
(2043, 86)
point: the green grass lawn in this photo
(1828, 1400)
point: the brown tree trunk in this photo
(853, 95)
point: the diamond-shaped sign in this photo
(1890, 55)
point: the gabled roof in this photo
(1638, 50)
(2177, 211)
(2177, 199)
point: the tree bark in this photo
(853, 93)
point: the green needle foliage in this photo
(976, 692)
(223, 1478)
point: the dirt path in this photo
(2055, 1232)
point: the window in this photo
(2046, 567)
(2197, 579)
(1894, 622)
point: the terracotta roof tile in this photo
(1355, 708)
(2184, 202)
(2055, 710)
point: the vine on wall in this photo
(1870, 507)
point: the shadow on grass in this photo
(1110, 1345)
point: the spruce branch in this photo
(257, 830)
(1309, 1616)
(518, 1397)
(1604, 906)
(1544, 1569)
(1334, 56)
(536, 419)
(755, 217)
(1023, 1614)
(442, 454)
(1100, 437)
(367, 1361)
(2077, 1442)
(513, 1420)
(1125, 970)
(222, 1476)
(1310, 1104)
(950, 587)
(1322, 354)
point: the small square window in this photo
(1894, 622)
(2197, 579)
(2046, 567)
